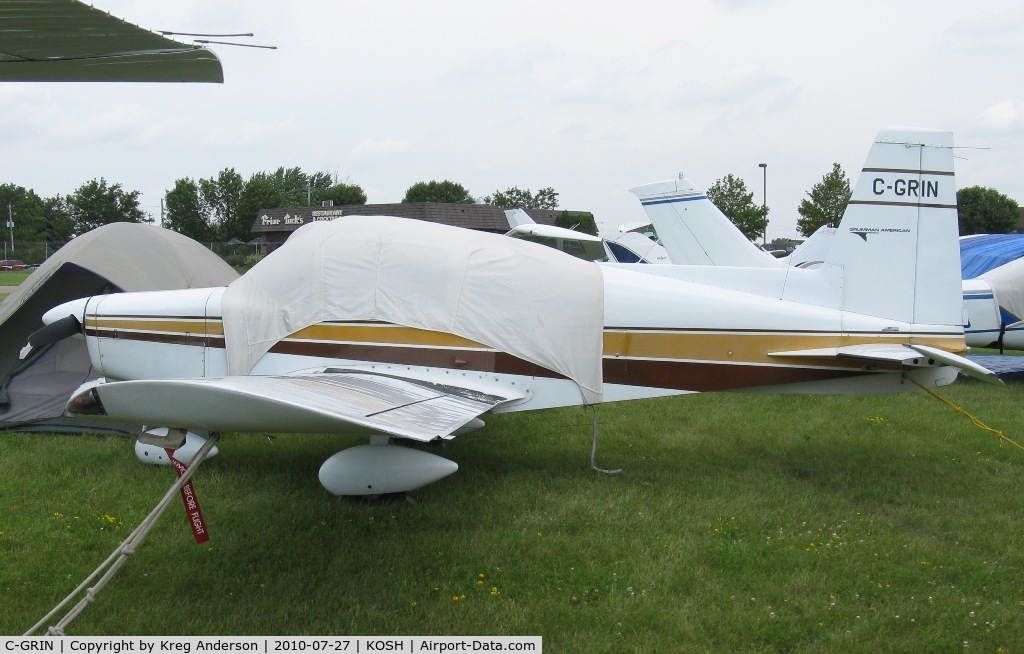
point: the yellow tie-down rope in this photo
(977, 423)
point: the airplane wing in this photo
(907, 355)
(70, 41)
(329, 401)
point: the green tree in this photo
(731, 197)
(186, 212)
(342, 193)
(434, 191)
(60, 226)
(292, 186)
(515, 197)
(285, 187)
(986, 211)
(219, 198)
(261, 191)
(28, 213)
(96, 203)
(316, 185)
(827, 203)
(581, 222)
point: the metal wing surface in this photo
(335, 400)
(915, 356)
(70, 41)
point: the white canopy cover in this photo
(525, 299)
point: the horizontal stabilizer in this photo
(881, 353)
(914, 356)
(964, 364)
(329, 401)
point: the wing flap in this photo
(326, 402)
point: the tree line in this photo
(37, 226)
(221, 208)
(224, 207)
(981, 210)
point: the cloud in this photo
(1004, 116)
(378, 148)
(120, 122)
(249, 132)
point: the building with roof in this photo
(275, 225)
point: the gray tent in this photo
(114, 258)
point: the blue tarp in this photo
(980, 254)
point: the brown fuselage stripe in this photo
(907, 171)
(709, 377)
(171, 338)
(431, 357)
(676, 375)
(922, 205)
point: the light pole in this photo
(10, 225)
(764, 198)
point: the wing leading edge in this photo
(328, 401)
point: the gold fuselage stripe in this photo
(680, 345)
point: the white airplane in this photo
(412, 330)
(695, 232)
(636, 243)
(579, 244)
(630, 245)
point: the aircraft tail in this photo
(692, 229)
(896, 250)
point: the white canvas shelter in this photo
(535, 303)
(113, 258)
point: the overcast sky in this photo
(591, 98)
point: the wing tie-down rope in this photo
(977, 423)
(593, 446)
(120, 555)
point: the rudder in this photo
(694, 231)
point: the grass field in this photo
(739, 523)
(13, 277)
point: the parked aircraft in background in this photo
(636, 243)
(413, 330)
(578, 244)
(695, 232)
(632, 244)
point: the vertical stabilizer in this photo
(692, 229)
(896, 249)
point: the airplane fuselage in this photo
(662, 336)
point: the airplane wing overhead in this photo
(70, 41)
(329, 401)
